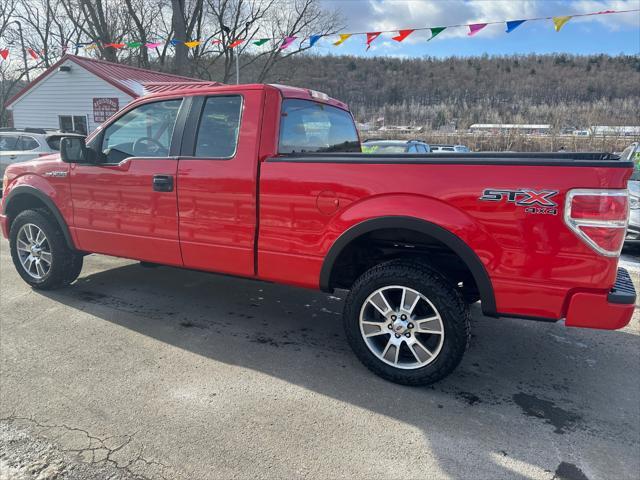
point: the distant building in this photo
(364, 127)
(77, 94)
(400, 129)
(509, 127)
(615, 131)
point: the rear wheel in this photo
(40, 253)
(406, 323)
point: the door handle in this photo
(12, 157)
(163, 183)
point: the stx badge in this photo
(536, 202)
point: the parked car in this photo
(633, 230)
(19, 145)
(395, 146)
(449, 148)
(268, 182)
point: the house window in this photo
(73, 123)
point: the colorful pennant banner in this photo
(399, 35)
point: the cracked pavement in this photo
(167, 374)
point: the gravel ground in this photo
(161, 373)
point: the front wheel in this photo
(40, 253)
(406, 323)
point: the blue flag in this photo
(313, 39)
(174, 42)
(513, 24)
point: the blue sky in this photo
(611, 34)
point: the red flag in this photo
(115, 45)
(4, 53)
(235, 43)
(403, 34)
(33, 53)
(371, 36)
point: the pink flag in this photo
(475, 28)
(152, 45)
(4, 53)
(287, 41)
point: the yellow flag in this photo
(343, 37)
(192, 44)
(559, 22)
(92, 46)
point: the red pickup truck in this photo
(269, 182)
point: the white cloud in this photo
(376, 15)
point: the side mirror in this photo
(74, 150)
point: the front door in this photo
(125, 203)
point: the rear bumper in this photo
(4, 224)
(605, 311)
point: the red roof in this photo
(164, 87)
(130, 80)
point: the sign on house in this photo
(103, 108)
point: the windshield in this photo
(308, 126)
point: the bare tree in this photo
(186, 15)
(103, 22)
(238, 21)
(49, 31)
(300, 19)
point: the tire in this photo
(58, 264)
(426, 350)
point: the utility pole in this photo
(237, 68)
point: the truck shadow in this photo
(517, 374)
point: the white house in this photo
(79, 93)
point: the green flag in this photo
(134, 44)
(262, 41)
(436, 31)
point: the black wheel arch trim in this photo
(34, 192)
(451, 240)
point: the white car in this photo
(633, 230)
(20, 145)
(449, 148)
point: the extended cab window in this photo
(308, 126)
(143, 132)
(219, 126)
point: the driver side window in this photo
(143, 132)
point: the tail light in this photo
(599, 218)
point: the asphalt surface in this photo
(163, 373)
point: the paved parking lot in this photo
(163, 373)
